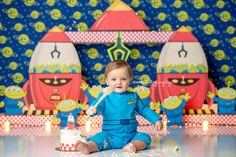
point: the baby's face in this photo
(118, 80)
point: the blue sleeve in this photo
(146, 112)
(100, 106)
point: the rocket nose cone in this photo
(183, 35)
(55, 35)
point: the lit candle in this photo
(88, 125)
(205, 125)
(7, 126)
(48, 126)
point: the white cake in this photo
(69, 138)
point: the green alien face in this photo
(204, 17)
(29, 2)
(23, 39)
(39, 26)
(155, 54)
(28, 53)
(225, 16)
(2, 90)
(142, 14)
(67, 105)
(101, 79)
(226, 93)
(161, 16)
(198, 4)
(3, 39)
(225, 68)
(182, 16)
(97, 13)
(82, 26)
(34, 14)
(95, 90)
(178, 3)
(72, 3)
(209, 29)
(62, 27)
(18, 78)
(93, 3)
(14, 92)
(220, 4)
(229, 80)
(145, 79)
(142, 91)
(92, 53)
(230, 30)
(13, 65)
(98, 66)
(219, 55)
(55, 14)
(7, 2)
(18, 27)
(233, 42)
(12, 13)
(7, 52)
(156, 3)
(171, 102)
(166, 27)
(135, 3)
(140, 67)
(77, 15)
(135, 54)
(214, 42)
(51, 2)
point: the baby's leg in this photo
(87, 148)
(134, 146)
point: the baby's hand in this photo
(91, 111)
(159, 125)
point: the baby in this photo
(119, 128)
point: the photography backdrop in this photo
(23, 23)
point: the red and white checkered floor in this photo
(188, 141)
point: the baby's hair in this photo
(117, 64)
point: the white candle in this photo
(48, 126)
(88, 125)
(205, 125)
(7, 126)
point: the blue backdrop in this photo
(23, 23)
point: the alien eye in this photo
(18, 90)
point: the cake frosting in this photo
(69, 138)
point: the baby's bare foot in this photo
(130, 148)
(83, 147)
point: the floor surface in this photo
(194, 141)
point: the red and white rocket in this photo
(54, 72)
(182, 68)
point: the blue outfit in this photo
(119, 121)
(225, 106)
(175, 116)
(64, 116)
(11, 106)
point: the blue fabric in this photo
(225, 106)
(11, 106)
(64, 116)
(175, 116)
(123, 108)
